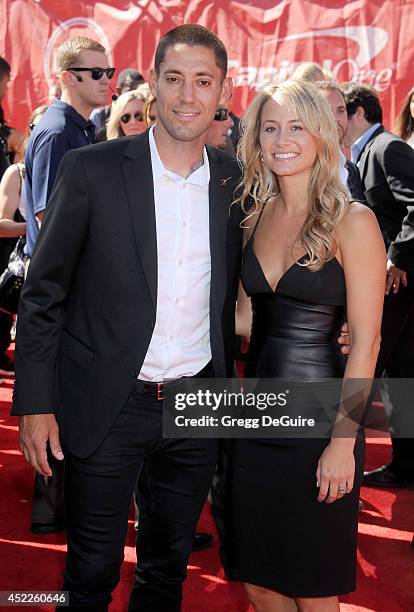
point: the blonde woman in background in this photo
(12, 226)
(150, 110)
(309, 254)
(12, 201)
(311, 71)
(127, 114)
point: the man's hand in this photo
(35, 431)
(395, 277)
(344, 339)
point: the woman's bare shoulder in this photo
(357, 216)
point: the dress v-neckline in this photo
(251, 241)
(289, 269)
(297, 261)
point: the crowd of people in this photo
(148, 253)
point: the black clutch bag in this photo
(11, 281)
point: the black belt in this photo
(156, 389)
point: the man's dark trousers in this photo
(101, 487)
(396, 360)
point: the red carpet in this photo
(385, 557)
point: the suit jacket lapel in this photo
(137, 169)
(220, 196)
(363, 158)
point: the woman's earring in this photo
(261, 158)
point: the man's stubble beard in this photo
(182, 133)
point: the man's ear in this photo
(152, 82)
(226, 92)
(67, 79)
(360, 113)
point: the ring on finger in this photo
(342, 490)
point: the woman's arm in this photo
(365, 265)
(9, 203)
(362, 251)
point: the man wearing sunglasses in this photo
(218, 132)
(82, 68)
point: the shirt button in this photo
(180, 262)
(184, 224)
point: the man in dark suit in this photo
(386, 166)
(133, 281)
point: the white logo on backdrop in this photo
(371, 40)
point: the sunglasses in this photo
(127, 117)
(221, 114)
(97, 73)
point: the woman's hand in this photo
(336, 470)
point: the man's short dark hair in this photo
(132, 74)
(4, 68)
(359, 94)
(193, 35)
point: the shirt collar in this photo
(359, 144)
(68, 110)
(200, 177)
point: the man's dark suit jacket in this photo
(88, 307)
(354, 182)
(386, 166)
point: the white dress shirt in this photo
(180, 343)
(359, 144)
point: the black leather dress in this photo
(282, 537)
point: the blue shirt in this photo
(61, 128)
(358, 146)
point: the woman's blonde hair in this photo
(308, 71)
(113, 127)
(149, 105)
(327, 197)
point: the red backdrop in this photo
(365, 40)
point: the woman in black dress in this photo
(309, 254)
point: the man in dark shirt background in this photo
(83, 68)
(84, 73)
